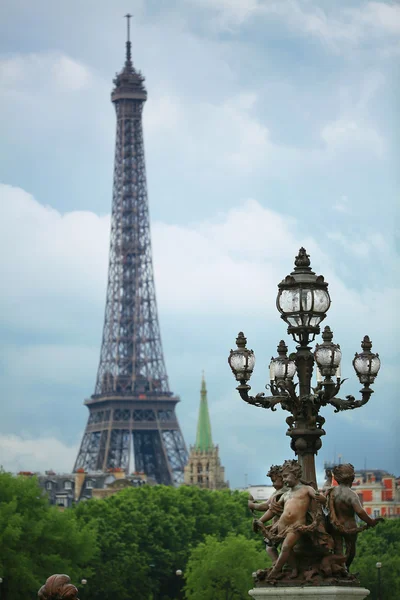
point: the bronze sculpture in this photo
(275, 474)
(344, 504)
(58, 587)
(311, 542)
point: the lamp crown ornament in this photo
(327, 334)
(302, 261)
(282, 348)
(366, 343)
(241, 340)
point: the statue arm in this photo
(267, 516)
(316, 495)
(360, 512)
(259, 505)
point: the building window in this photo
(89, 484)
(199, 468)
(62, 501)
(377, 513)
(48, 485)
(200, 479)
(67, 485)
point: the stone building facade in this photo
(204, 467)
(64, 490)
(379, 492)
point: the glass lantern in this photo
(328, 355)
(281, 367)
(242, 360)
(366, 364)
(303, 300)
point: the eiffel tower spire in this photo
(132, 411)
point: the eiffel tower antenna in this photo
(128, 39)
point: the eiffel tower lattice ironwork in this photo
(132, 412)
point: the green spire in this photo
(203, 438)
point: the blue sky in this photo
(270, 124)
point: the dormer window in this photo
(67, 485)
(48, 485)
(89, 484)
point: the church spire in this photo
(204, 438)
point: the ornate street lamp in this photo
(303, 301)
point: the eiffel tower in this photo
(132, 423)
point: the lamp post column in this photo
(379, 567)
(305, 437)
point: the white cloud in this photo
(55, 71)
(350, 134)
(66, 369)
(56, 273)
(332, 27)
(20, 453)
(220, 135)
(342, 205)
(381, 15)
(51, 258)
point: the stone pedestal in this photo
(309, 593)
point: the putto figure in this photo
(311, 542)
(275, 474)
(344, 504)
(291, 524)
(58, 587)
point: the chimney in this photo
(80, 476)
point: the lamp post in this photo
(83, 584)
(179, 574)
(303, 301)
(1, 581)
(379, 567)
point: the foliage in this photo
(145, 535)
(381, 544)
(37, 540)
(131, 544)
(221, 570)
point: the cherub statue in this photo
(57, 587)
(343, 505)
(275, 474)
(291, 525)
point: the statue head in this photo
(275, 474)
(58, 587)
(344, 474)
(291, 472)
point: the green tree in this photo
(145, 535)
(381, 544)
(221, 570)
(37, 540)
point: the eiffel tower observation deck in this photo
(132, 423)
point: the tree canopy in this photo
(221, 570)
(146, 534)
(37, 540)
(130, 545)
(381, 544)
